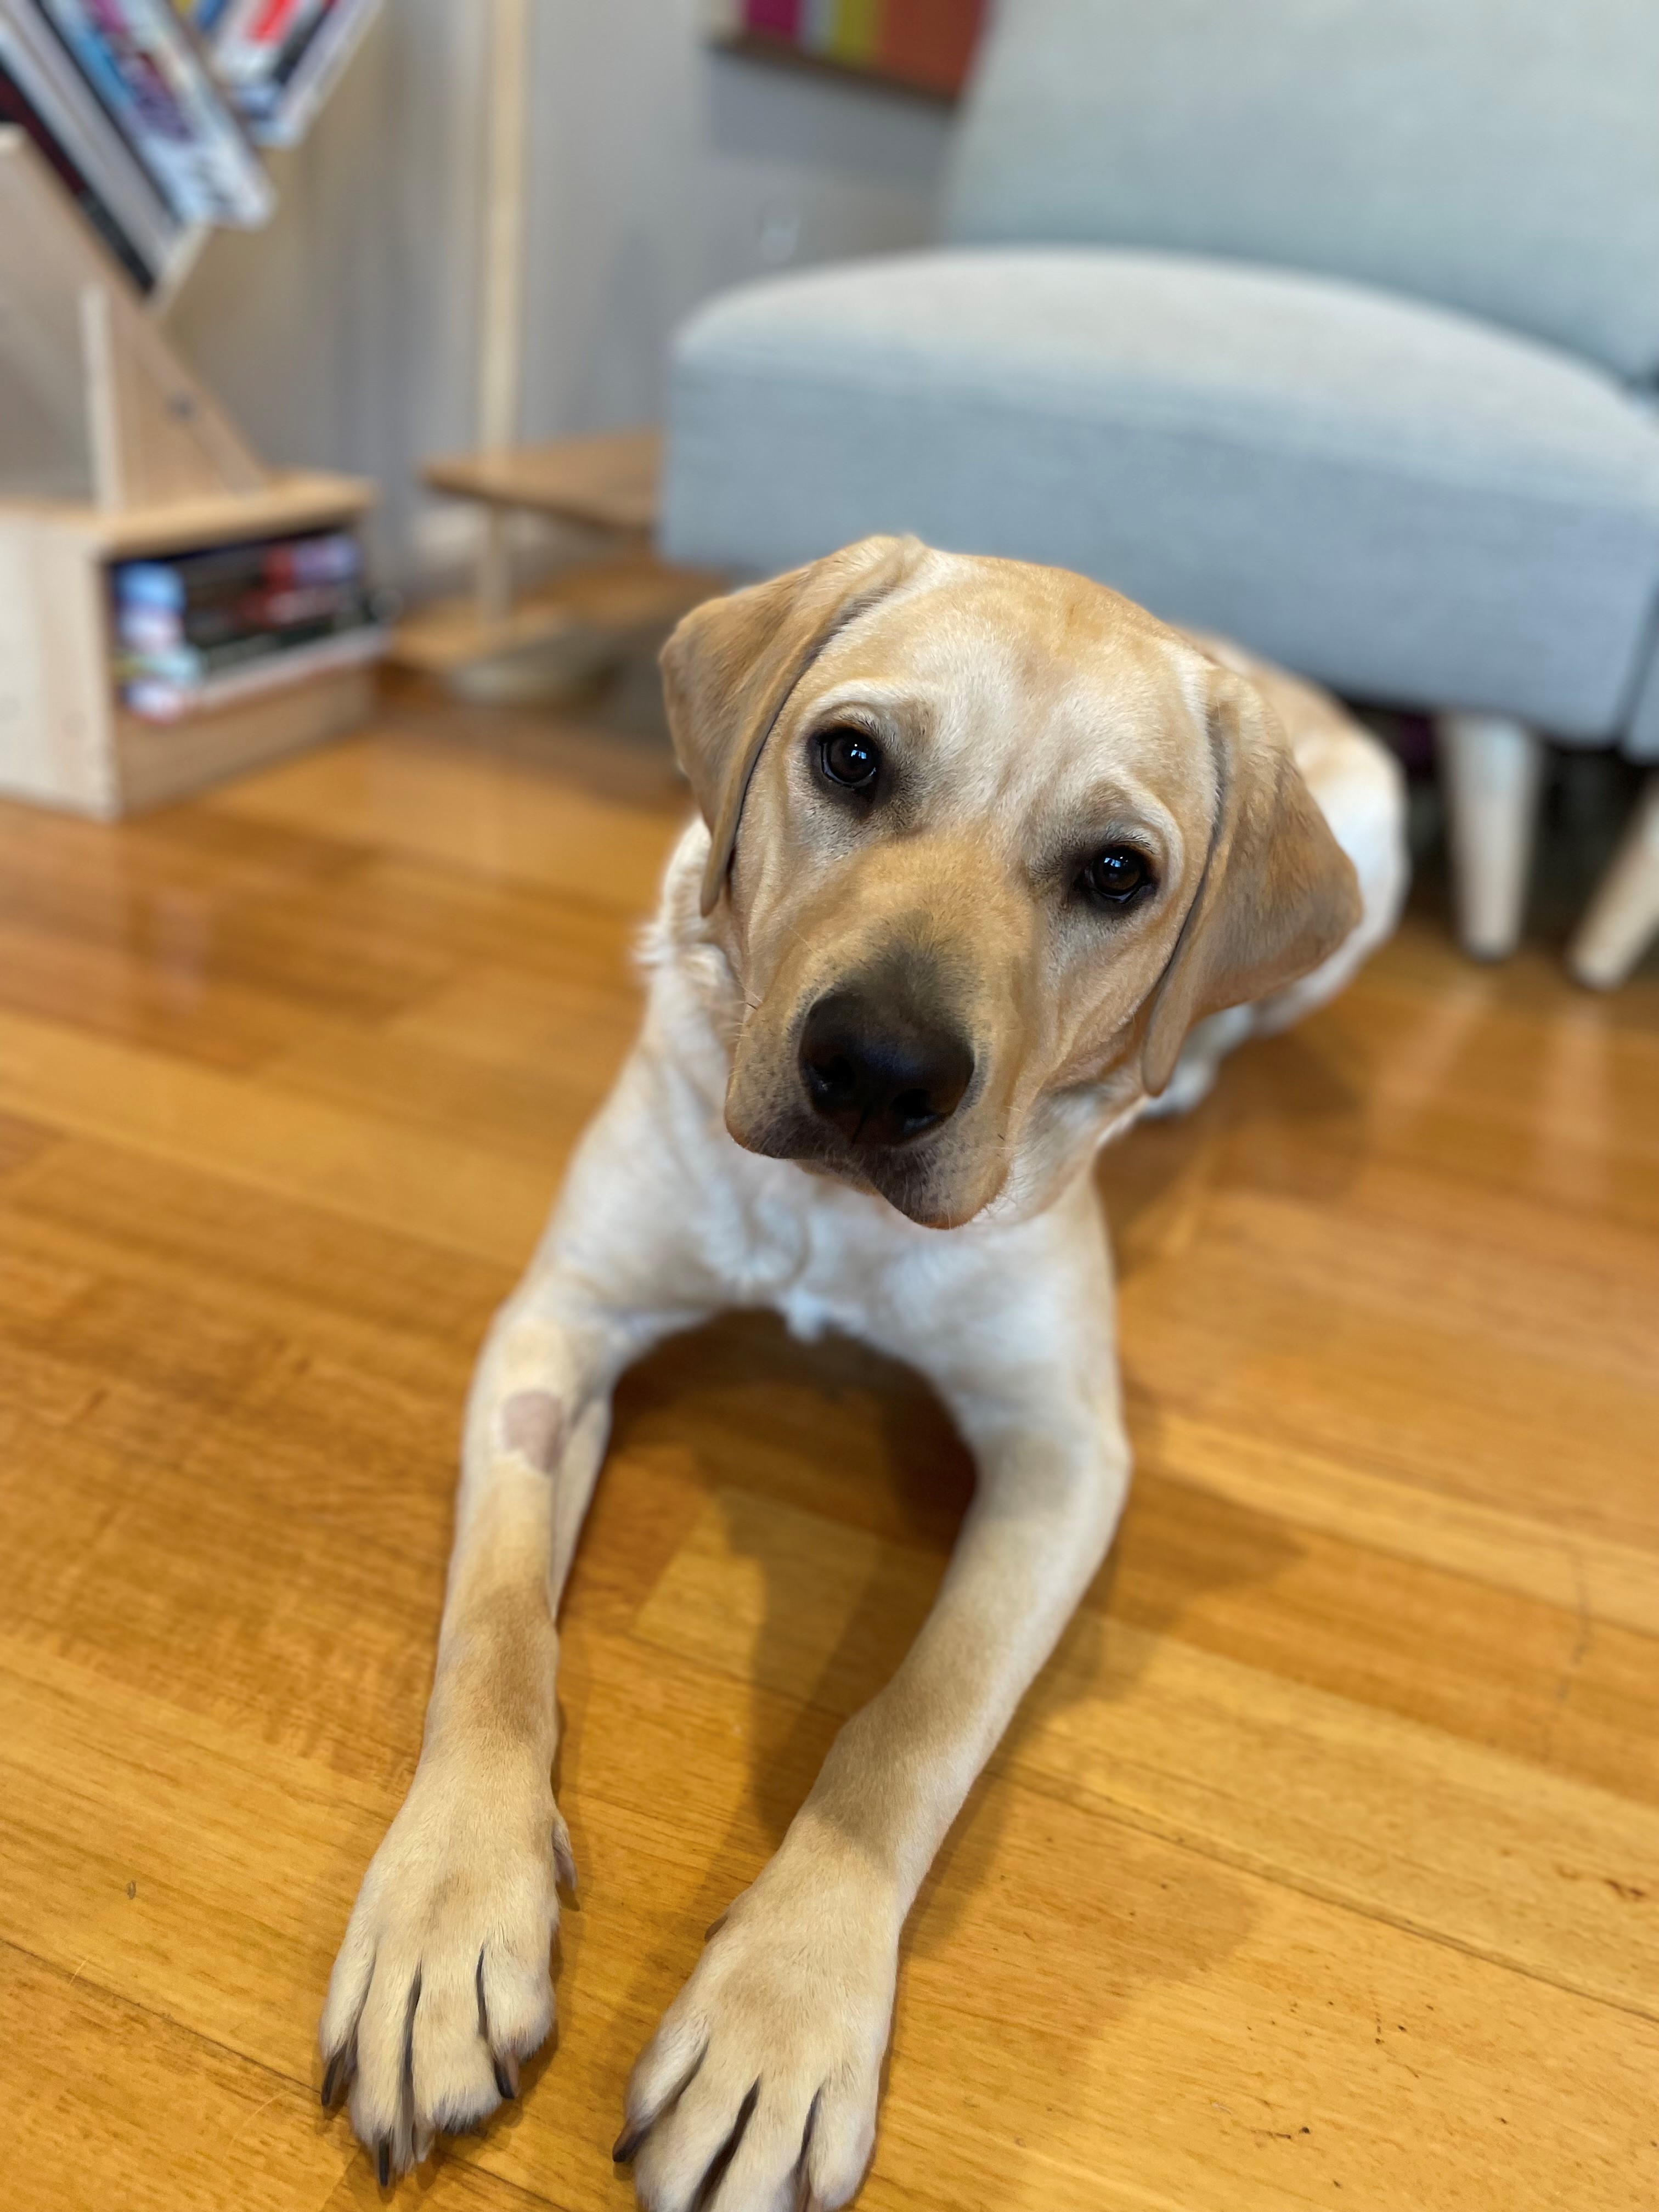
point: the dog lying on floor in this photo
(988, 859)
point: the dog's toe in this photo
(443, 1983)
(758, 2091)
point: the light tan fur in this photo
(1028, 719)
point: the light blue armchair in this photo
(1330, 324)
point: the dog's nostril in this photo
(914, 1110)
(831, 1082)
(877, 1071)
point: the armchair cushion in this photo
(1403, 502)
(1501, 157)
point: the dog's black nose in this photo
(881, 1072)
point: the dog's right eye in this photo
(850, 757)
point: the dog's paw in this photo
(758, 2092)
(443, 1983)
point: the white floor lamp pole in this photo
(501, 344)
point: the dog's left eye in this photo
(850, 758)
(1117, 875)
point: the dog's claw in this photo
(383, 2164)
(331, 2079)
(504, 2081)
(564, 1859)
(628, 2143)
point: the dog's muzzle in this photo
(880, 1071)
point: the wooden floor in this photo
(1321, 1868)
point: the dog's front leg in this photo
(769, 2061)
(442, 1985)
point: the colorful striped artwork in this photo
(927, 45)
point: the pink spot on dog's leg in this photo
(532, 1425)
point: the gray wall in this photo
(659, 172)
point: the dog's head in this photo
(985, 840)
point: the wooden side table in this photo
(606, 483)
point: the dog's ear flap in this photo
(1277, 894)
(730, 667)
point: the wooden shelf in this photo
(613, 597)
(608, 482)
(300, 499)
(171, 475)
(156, 761)
(65, 740)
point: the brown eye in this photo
(850, 758)
(1118, 875)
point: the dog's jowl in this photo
(989, 862)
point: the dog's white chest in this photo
(821, 1255)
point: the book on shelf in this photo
(147, 110)
(159, 92)
(200, 629)
(43, 94)
(278, 60)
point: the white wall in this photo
(659, 172)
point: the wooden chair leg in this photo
(1624, 914)
(1490, 771)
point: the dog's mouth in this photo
(918, 1176)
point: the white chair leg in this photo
(1490, 771)
(1624, 914)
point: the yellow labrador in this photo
(981, 843)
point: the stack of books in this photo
(150, 112)
(206, 628)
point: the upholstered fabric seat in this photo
(1408, 502)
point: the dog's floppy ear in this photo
(1277, 894)
(730, 667)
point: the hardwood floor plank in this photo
(498, 817)
(447, 1192)
(21, 1143)
(1466, 1642)
(1196, 2021)
(1354, 1804)
(450, 916)
(1168, 2051)
(362, 1290)
(1186, 1991)
(125, 2109)
(508, 1017)
(1608, 1582)
(535, 1109)
(1407, 1399)
(181, 1006)
(1538, 1681)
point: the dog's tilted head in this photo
(986, 840)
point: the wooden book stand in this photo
(154, 466)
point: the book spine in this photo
(157, 700)
(23, 105)
(102, 151)
(311, 74)
(137, 56)
(184, 624)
